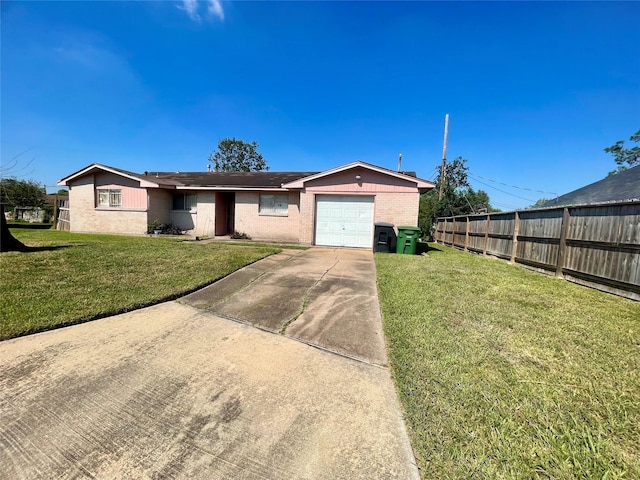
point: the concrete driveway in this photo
(175, 391)
(321, 296)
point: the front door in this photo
(225, 212)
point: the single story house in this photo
(336, 207)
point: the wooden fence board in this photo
(594, 245)
(63, 220)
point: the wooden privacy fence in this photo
(594, 245)
(62, 215)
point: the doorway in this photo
(225, 213)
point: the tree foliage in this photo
(539, 203)
(235, 155)
(17, 193)
(625, 157)
(459, 198)
(21, 193)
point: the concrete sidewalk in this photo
(172, 391)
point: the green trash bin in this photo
(407, 240)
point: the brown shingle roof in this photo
(615, 188)
(225, 179)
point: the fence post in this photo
(486, 234)
(514, 242)
(453, 234)
(466, 237)
(55, 211)
(562, 247)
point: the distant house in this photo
(623, 186)
(336, 207)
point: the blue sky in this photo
(535, 91)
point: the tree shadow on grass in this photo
(46, 248)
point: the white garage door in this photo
(344, 221)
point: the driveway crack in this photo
(211, 306)
(305, 299)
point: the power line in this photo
(503, 191)
(504, 205)
(514, 186)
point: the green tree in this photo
(235, 155)
(539, 203)
(622, 156)
(21, 193)
(459, 198)
(17, 193)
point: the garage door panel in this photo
(344, 221)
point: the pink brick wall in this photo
(86, 218)
(267, 227)
(397, 208)
(395, 200)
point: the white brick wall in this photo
(206, 221)
(159, 205)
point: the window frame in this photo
(111, 194)
(275, 209)
(193, 204)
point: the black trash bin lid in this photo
(383, 224)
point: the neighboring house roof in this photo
(51, 198)
(236, 180)
(615, 188)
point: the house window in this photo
(274, 204)
(185, 201)
(109, 198)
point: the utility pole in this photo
(444, 156)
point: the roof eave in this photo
(231, 188)
(420, 184)
(96, 166)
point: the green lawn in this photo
(508, 373)
(74, 277)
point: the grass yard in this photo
(508, 373)
(72, 277)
